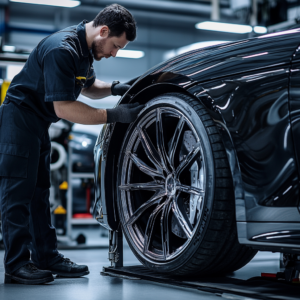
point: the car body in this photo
(251, 89)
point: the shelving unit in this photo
(72, 175)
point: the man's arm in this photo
(99, 89)
(78, 112)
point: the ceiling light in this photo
(7, 48)
(224, 27)
(260, 29)
(130, 54)
(62, 3)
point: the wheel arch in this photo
(147, 93)
(239, 193)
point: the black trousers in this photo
(24, 189)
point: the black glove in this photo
(124, 113)
(119, 89)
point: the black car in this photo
(209, 172)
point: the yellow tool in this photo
(80, 80)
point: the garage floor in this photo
(95, 286)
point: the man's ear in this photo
(104, 31)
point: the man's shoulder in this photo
(66, 39)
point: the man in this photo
(57, 70)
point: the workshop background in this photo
(165, 28)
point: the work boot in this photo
(66, 268)
(29, 274)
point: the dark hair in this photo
(118, 19)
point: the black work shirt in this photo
(55, 71)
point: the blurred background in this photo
(165, 28)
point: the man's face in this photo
(105, 46)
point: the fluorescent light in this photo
(199, 45)
(260, 29)
(7, 48)
(225, 27)
(62, 3)
(130, 54)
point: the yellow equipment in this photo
(63, 186)
(4, 89)
(60, 210)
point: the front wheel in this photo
(175, 192)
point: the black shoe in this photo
(66, 268)
(29, 274)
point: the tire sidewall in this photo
(186, 107)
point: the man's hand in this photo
(124, 113)
(101, 89)
(119, 89)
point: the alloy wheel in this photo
(162, 183)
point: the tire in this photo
(175, 191)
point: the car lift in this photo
(283, 285)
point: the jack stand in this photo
(291, 272)
(292, 267)
(115, 254)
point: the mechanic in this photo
(56, 72)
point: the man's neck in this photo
(89, 33)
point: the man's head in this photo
(116, 28)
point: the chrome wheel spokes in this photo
(153, 200)
(190, 190)
(144, 167)
(173, 211)
(160, 141)
(175, 139)
(188, 160)
(150, 225)
(150, 150)
(183, 222)
(164, 225)
(149, 186)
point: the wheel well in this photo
(148, 93)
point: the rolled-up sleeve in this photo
(91, 78)
(59, 75)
